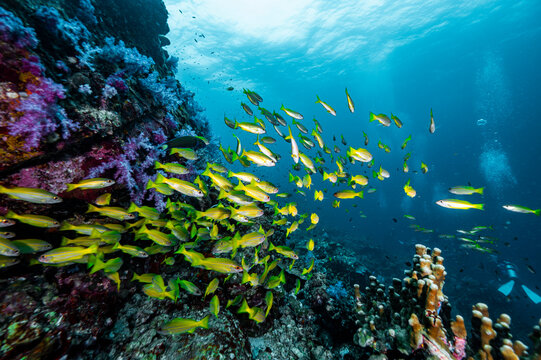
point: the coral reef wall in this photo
(87, 90)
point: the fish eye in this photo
(55, 197)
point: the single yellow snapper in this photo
(459, 204)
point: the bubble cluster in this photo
(495, 167)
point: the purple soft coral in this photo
(117, 82)
(40, 114)
(35, 114)
(129, 169)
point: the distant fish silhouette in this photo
(192, 142)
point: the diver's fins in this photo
(507, 287)
(533, 296)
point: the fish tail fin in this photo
(222, 194)
(150, 184)
(64, 241)
(245, 276)
(234, 156)
(372, 117)
(132, 207)
(290, 135)
(168, 203)
(537, 212)
(181, 250)
(98, 265)
(229, 173)
(236, 124)
(233, 211)
(292, 178)
(92, 208)
(206, 172)
(480, 206)
(480, 190)
(93, 249)
(240, 186)
(71, 187)
(244, 308)
(116, 246)
(160, 179)
(2, 189)
(65, 226)
(204, 323)
(360, 194)
(12, 215)
(158, 165)
(142, 230)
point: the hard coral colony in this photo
(413, 314)
(104, 171)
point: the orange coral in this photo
(520, 348)
(508, 353)
(458, 327)
(416, 338)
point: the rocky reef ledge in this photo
(87, 90)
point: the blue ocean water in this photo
(465, 60)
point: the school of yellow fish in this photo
(223, 239)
